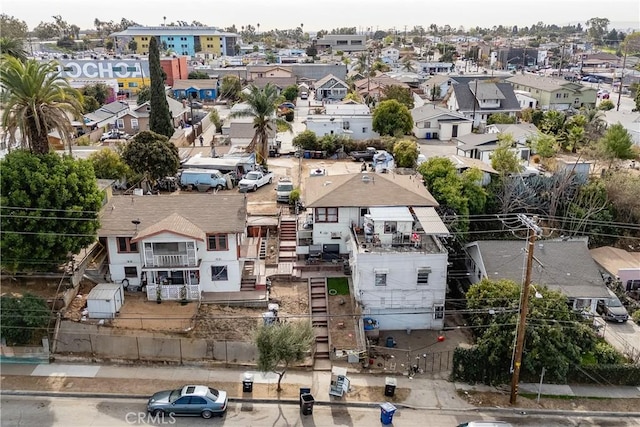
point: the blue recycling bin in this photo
(386, 413)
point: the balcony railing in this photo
(172, 261)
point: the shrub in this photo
(606, 105)
(23, 318)
(83, 141)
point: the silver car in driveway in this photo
(190, 400)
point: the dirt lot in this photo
(169, 316)
(46, 288)
(484, 399)
(237, 323)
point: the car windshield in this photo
(252, 176)
(215, 393)
(175, 394)
(614, 302)
(285, 187)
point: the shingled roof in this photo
(367, 189)
(191, 215)
(564, 266)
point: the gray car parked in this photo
(190, 400)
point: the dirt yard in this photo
(45, 288)
(169, 316)
(342, 323)
(237, 323)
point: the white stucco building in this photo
(352, 120)
(387, 226)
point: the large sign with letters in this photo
(103, 69)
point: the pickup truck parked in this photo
(202, 179)
(363, 156)
(254, 180)
(114, 134)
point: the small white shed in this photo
(104, 300)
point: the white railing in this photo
(173, 292)
(171, 261)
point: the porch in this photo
(173, 292)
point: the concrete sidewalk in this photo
(425, 393)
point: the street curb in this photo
(372, 405)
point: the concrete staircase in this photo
(288, 239)
(320, 322)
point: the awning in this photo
(430, 221)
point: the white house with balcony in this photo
(352, 119)
(178, 245)
(387, 227)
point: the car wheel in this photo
(207, 414)
(270, 180)
(219, 187)
(255, 188)
(157, 412)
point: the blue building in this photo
(201, 89)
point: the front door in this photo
(454, 132)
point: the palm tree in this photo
(36, 100)
(13, 47)
(261, 106)
(407, 64)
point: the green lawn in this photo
(339, 284)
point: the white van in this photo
(304, 95)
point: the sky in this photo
(329, 14)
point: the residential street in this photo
(98, 412)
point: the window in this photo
(558, 95)
(120, 124)
(427, 124)
(134, 123)
(131, 272)
(219, 273)
(116, 68)
(217, 242)
(438, 311)
(125, 245)
(326, 215)
(423, 276)
(390, 227)
(381, 276)
(133, 84)
(364, 130)
(364, 211)
(345, 125)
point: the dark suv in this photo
(612, 309)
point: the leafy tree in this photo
(230, 88)
(36, 101)
(49, 208)
(590, 212)
(132, 45)
(262, 108)
(616, 144)
(406, 153)
(307, 140)
(378, 65)
(152, 156)
(392, 118)
(214, 117)
(89, 104)
(504, 159)
(400, 94)
(46, 31)
(597, 28)
(353, 96)
(530, 115)
(555, 338)
(13, 28)
(99, 91)
(22, 317)
(311, 51)
(544, 145)
(144, 95)
(13, 47)
(454, 192)
(159, 116)
(290, 93)
(623, 188)
(107, 164)
(198, 75)
(500, 118)
(636, 100)
(281, 345)
(606, 105)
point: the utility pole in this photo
(624, 64)
(534, 231)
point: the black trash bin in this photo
(247, 383)
(390, 384)
(306, 404)
(304, 390)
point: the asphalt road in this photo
(96, 412)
